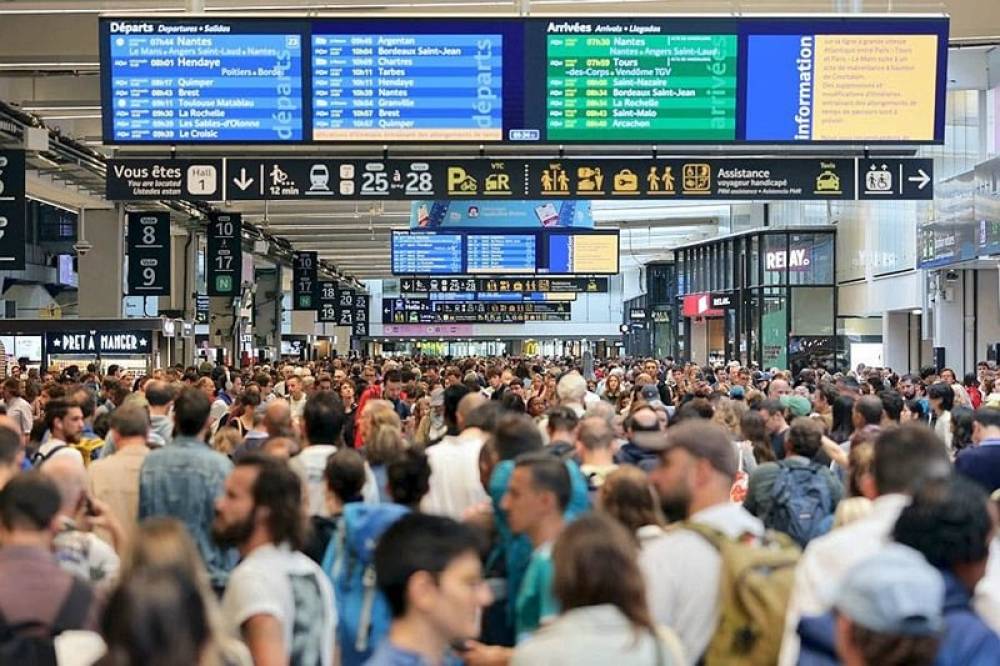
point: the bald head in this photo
(595, 433)
(278, 418)
(466, 406)
(70, 476)
(645, 419)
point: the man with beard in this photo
(64, 421)
(278, 601)
(682, 569)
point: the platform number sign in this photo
(224, 254)
(149, 254)
(12, 210)
(326, 293)
(345, 307)
(360, 326)
(304, 266)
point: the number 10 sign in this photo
(224, 254)
(149, 254)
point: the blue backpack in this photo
(801, 504)
(363, 615)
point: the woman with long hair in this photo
(605, 618)
(613, 390)
(843, 408)
(752, 430)
(164, 611)
(627, 496)
(381, 434)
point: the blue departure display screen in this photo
(397, 87)
(430, 254)
(501, 253)
(534, 252)
(192, 82)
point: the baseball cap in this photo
(894, 592)
(761, 376)
(649, 392)
(702, 439)
(737, 393)
(796, 404)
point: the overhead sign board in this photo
(505, 284)
(699, 305)
(477, 179)
(137, 179)
(345, 307)
(489, 80)
(360, 312)
(326, 301)
(149, 253)
(224, 254)
(417, 311)
(12, 210)
(99, 343)
(304, 270)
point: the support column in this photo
(267, 310)
(221, 319)
(949, 320)
(102, 266)
(896, 341)
(180, 302)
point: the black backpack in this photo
(32, 643)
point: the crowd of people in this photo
(430, 512)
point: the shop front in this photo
(766, 297)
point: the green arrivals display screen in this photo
(641, 87)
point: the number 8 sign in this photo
(148, 246)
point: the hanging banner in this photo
(224, 254)
(360, 313)
(149, 254)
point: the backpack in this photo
(363, 615)
(755, 585)
(801, 504)
(33, 642)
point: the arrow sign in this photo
(921, 179)
(243, 182)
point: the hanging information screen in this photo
(149, 254)
(641, 87)
(655, 79)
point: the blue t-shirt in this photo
(388, 654)
(535, 602)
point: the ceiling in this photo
(48, 66)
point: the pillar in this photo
(267, 310)
(102, 266)
(896, 341)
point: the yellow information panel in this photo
(595, 254)
(880, 87)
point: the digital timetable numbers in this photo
(653, 79)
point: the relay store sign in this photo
(795, 259)
(312, 179)
(98, 343)
(699, 305)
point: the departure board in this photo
(374, 87)
(641, 87)
(423, 253)
(501, 253)
(191, 82)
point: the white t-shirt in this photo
(51, 445)
(297, 407)
(288, 586)
(683, 572)
(309, 464)
(454, 484)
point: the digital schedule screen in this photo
(407, 87)
(551, 252)
(636, 87)
(651, 80)
(198, 82)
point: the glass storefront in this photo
(765, 297)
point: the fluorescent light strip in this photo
(36, 65)
(75, 211)
(79, 116)
(36, 108)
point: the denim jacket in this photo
(182, 480)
